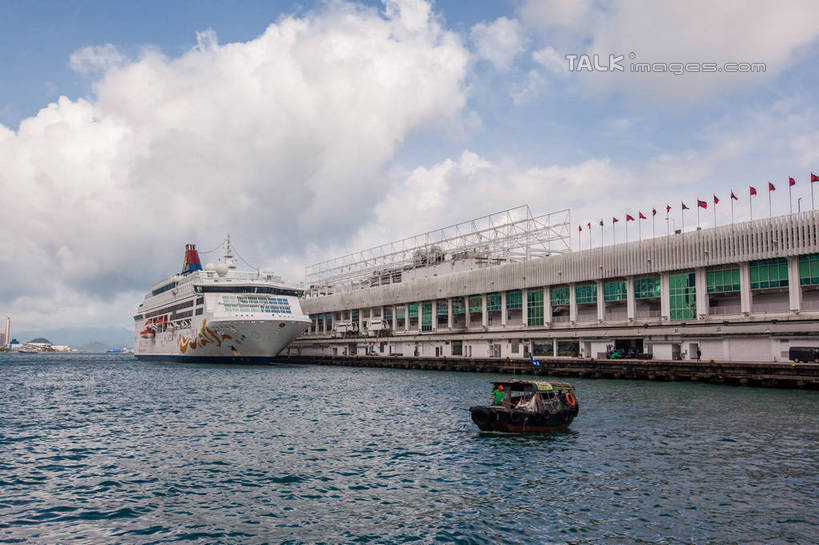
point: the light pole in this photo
(798, 205)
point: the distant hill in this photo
(76, 337)
(95, 348)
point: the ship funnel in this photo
(192, 262)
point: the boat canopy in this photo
(534, 385)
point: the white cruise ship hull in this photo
(227, 340)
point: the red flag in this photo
(629, 218)
(791, 182)
(667, 208)
(579, 228)
(753, 190)
(614, 220)
(702, 204)
(589, 225)
(716, 200)
(771, 187)
(813, 177)
(641, 216)
(734, 196)
(653, 211)
(684, 207)
(601, 223)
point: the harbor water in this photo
(106, 449)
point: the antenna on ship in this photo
(229, 254)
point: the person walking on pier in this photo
(699, 353)
(497, 395)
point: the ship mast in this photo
(229, 254)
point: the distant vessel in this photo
(117, 351)
(219, 314)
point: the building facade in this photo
(743, 292)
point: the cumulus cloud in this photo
(278, 140)
(95, 58)
(498, 42)
(776, 34)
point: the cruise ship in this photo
(217, 314)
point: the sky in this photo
(308, 130)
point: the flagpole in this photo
(790, 199)
(698, 213)
(590, 240)
(653, 232)
(751, 206)
(732, 208)
(769, 203)
(613, 233)
(811, 193)
(682, 215)
(667, 223)
(626, 230)
(715, 214)
(639, 230)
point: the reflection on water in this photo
(106, 449)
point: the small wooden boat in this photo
(528, 406)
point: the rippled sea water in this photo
(105, 449)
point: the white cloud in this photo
(280, 140)
(498, 42)
(551, 60)
(777, 34)
(95, 58)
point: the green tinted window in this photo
(614, 290)
(441, 307)
(534, 307)
(514, 299)
(809, 269)
(682, 296)
(559, 296)
(722, 281)
(586, 293)
(769, 273)
(458, 305)
(426, 316)
(412, 310)
(493, 301)
(475, 304)
(647, 287)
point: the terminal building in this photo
(508, 285)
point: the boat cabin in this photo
(532, 394)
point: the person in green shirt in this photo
(497, 395)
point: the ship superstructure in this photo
(217, 314)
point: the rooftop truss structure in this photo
(511, 235)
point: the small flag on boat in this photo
(534, 361)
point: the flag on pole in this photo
(641, 216)
(771, 187)
(667, 208)
(579, 228)
(753, 190)
(653, 211)
(791, 182)
(716, 200)
(813, 177)
(588, 225)
(684, 207)
(614, 220)
(734, 197)
(702, 204)
(629, 218)
(601, 223)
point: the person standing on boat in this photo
(498, 395)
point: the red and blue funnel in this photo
(192, 262)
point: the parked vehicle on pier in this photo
(528, 406)
(803, 353)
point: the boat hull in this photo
(503, 419)
(222, 341)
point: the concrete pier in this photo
(773, 374)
